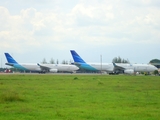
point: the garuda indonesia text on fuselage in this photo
(41, 68)
(111, 67)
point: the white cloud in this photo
(81, 24)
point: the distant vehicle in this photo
(41, 68)
(112, 68)
(7, 71)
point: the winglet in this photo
(76, 57)
(114, 64)
(117, 67)
(9, 58)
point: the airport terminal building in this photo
(155, 62)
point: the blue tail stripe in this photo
(9, 58)
(76, 57)
(19, 67)
(87, 67)
(15, 64)
(82, 63)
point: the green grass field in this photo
(79, 97)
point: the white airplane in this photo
(112, 67)
(41, 68)
(133, 68)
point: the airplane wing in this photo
(47, 69)
(43, 68)
(116, 67)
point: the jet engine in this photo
(53, 70)
(129, 71)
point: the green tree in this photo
(70, 62)
(57, 61)
(156, 72)
(44, 61)
(66, 62)
(52, 61)
(119, 60)
(63, 62)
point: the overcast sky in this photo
(31, 30)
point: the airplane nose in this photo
(156, 68)
(76, 67)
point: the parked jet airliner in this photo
(111, 67)
(41, 68)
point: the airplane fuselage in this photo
(138, 67)
(35, 67)
(109, 67)
(62, 67)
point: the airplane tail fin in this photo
(76, 57)
(9, 58)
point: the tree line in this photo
(52, 61)
(120, 60)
